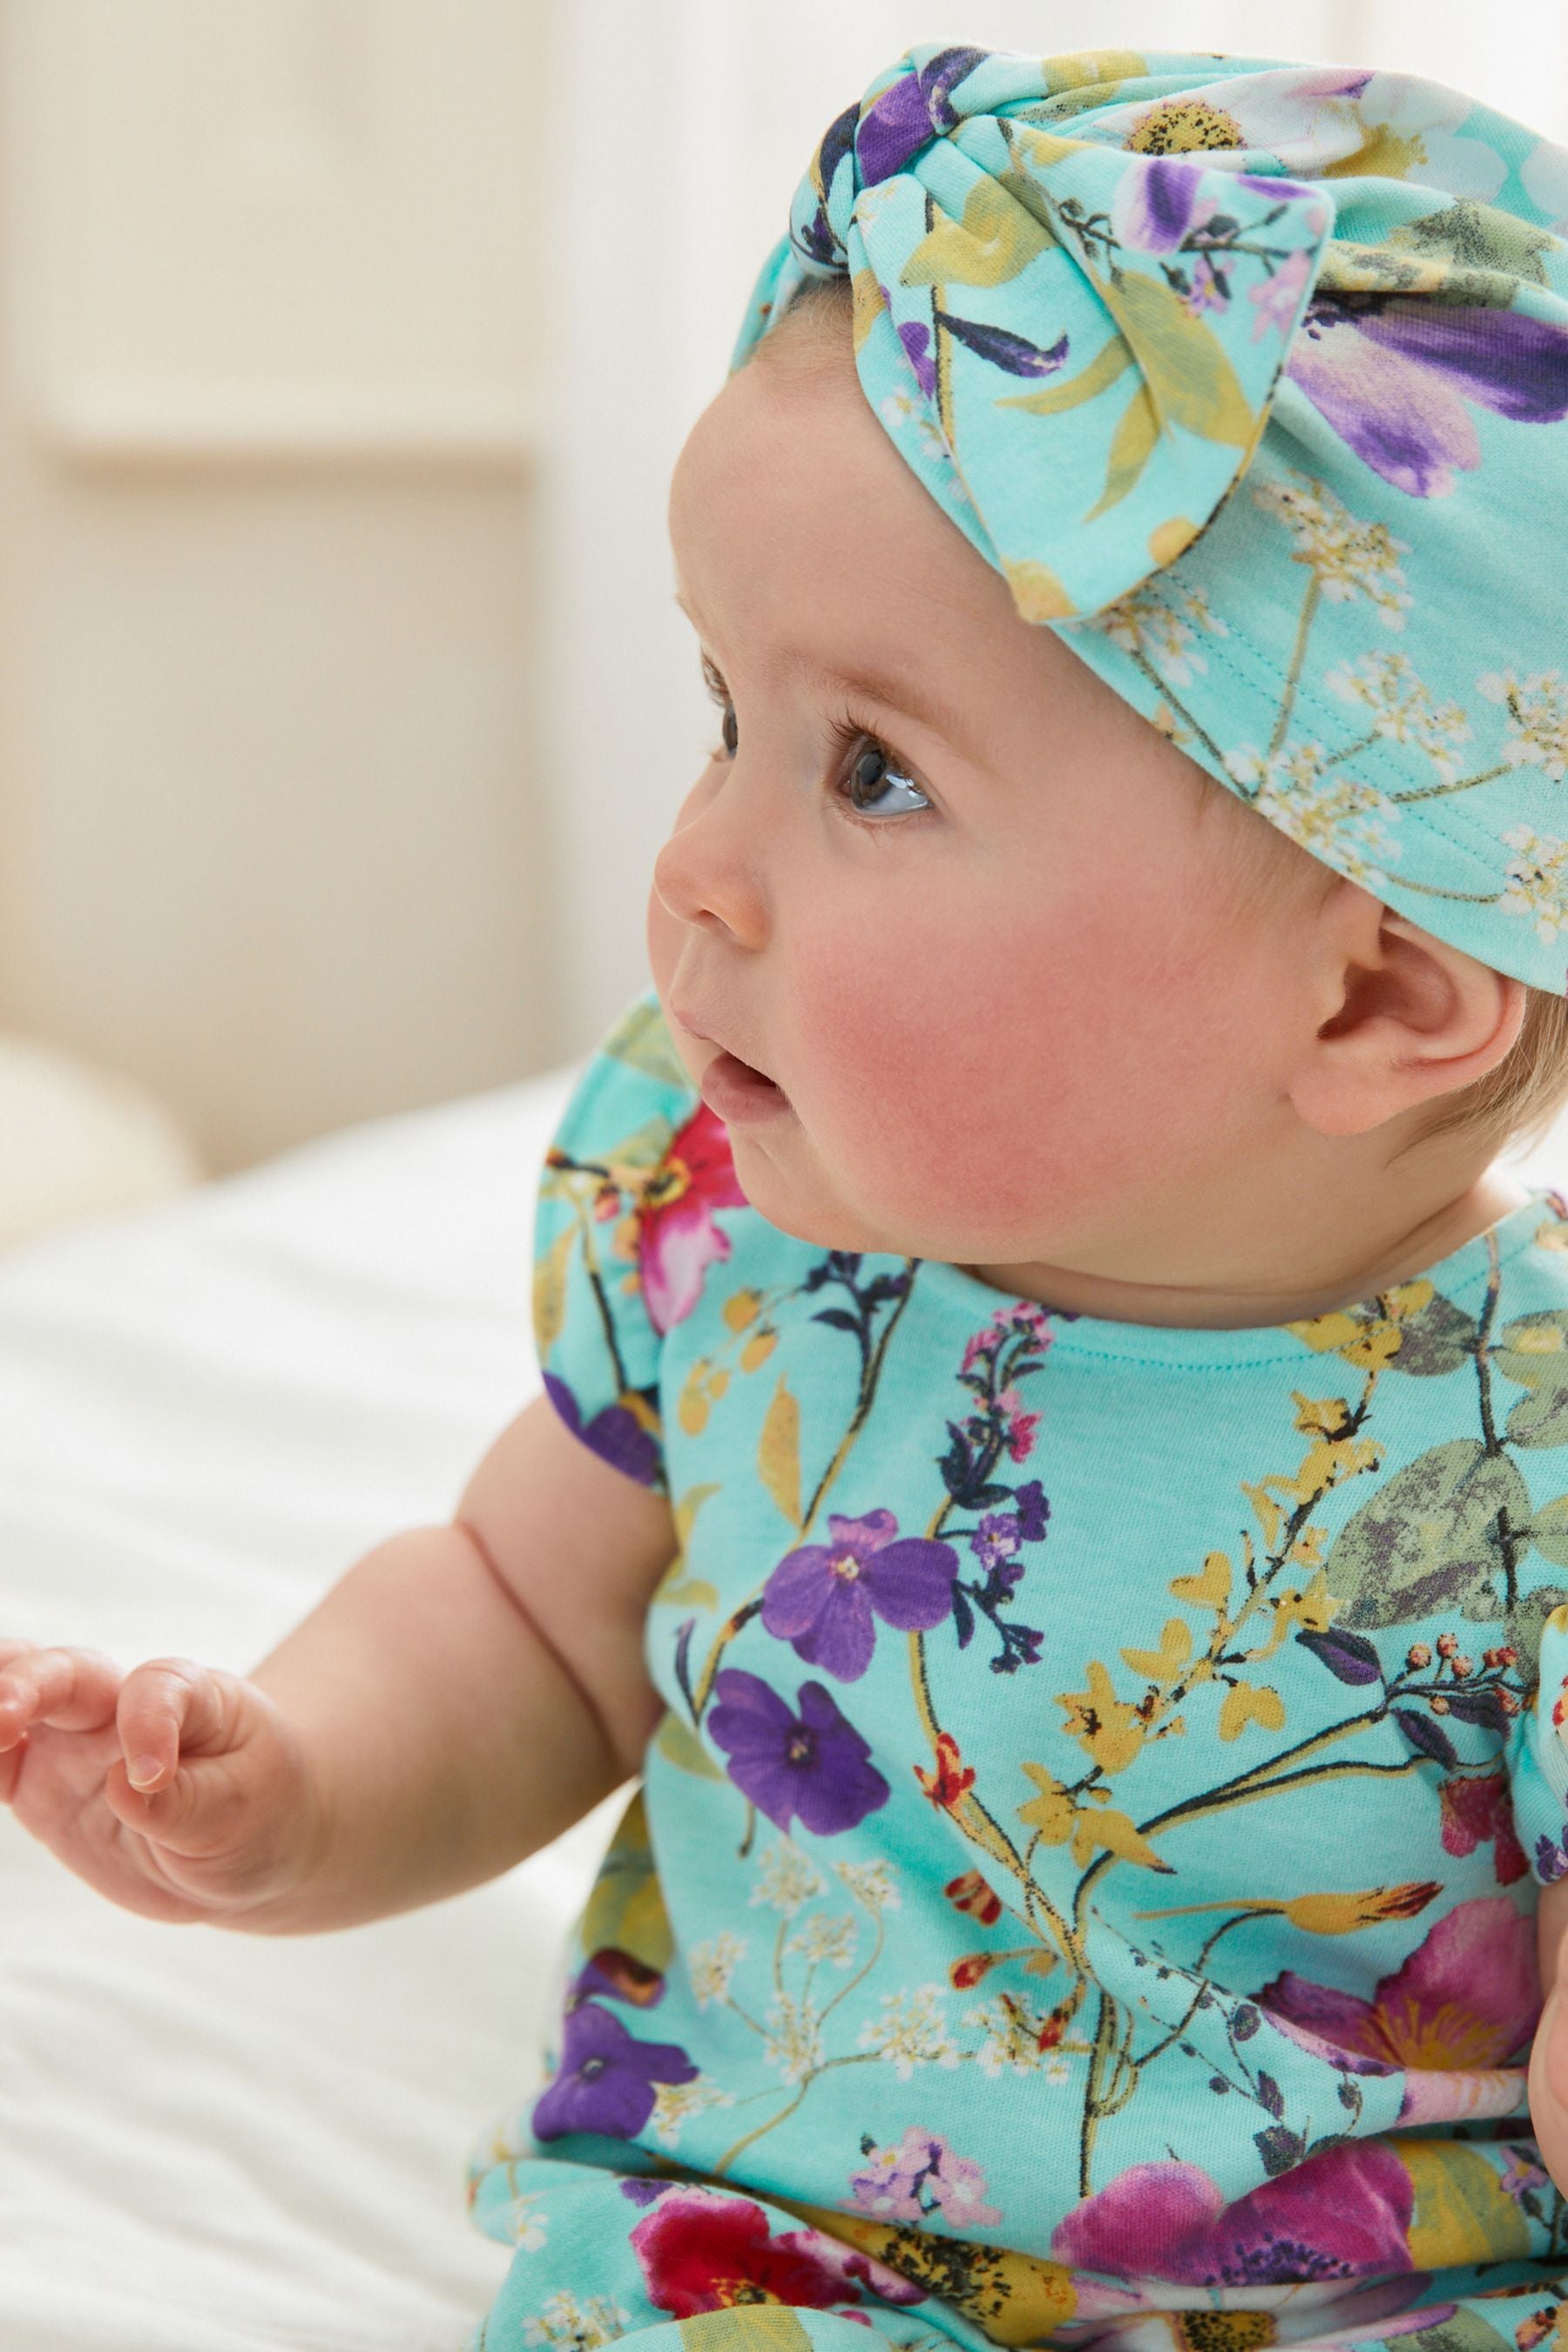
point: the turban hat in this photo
(1251, 379)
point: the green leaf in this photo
(550, 1279)
(1462, 2214)
(1440, 1339)
(1101, 374)
(1485, 242)
(1534, 1350)
(1032, 197)
(1549, 1529)
(1427, 1539)
(1187, 366)
(1135, 441)
(1465, 2331)
(691, 1592)
(679, 1745)
(625, 1909)
(1539, 1420)
(997, 240)
(1526, 1619)
(643, 1148)
(642, 1039)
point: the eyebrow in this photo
(889, 690)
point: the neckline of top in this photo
(1209, 1347)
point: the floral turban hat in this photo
(1251, 379)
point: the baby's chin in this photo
(805, 1213)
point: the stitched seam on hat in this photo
(1373, 755)
(1307, 695)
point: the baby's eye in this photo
(719, 692)
(870, 775)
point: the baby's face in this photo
(983, 924)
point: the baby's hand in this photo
(178, 1791)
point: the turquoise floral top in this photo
(1089, 1858)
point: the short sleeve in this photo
(598, 1205)
(1539, 1759)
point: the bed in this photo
(210, 2143)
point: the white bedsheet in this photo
(210, 2141)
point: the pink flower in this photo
(1475, 1811)
(1022, 1320)
(921, 2177)
(1463, 2004)
(679, 1239)
(705, 2249)
(1204, 291)
(1343, 2213)
(1021, 1425)
(1278, 298)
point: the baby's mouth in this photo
(734, 1091)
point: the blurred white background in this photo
(347, 346)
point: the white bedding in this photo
(210, 2141)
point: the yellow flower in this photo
(691, 1406)
(1120, 1836)
(1089, 1827)
(1051, 1812)
(1341, 1914)
(1209, 1590)
(1105, 1728)
(1164, 1664)
(1246, 1702)
(1326, 1915)
(1313, 1610)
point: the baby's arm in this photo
(462, 1694)
(1548, 2057)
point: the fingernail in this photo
(144, 1771)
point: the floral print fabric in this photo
(1083, 1885)
(1252, 380)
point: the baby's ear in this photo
(1411, 1018)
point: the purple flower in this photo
(644, 2192)
(915, 337)
(1551, 1859)
(616, 1434)
(814, 1764)
(995, 1539)
(606, 2077)
(1155, 203)
(1392, 374)
(909, 113)
(1032, 1510)
(821, 1597)
(1206, 292)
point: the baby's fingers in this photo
(72, 1689)
(168, 1705)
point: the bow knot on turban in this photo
(1234, 369)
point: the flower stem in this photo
(1297, 657)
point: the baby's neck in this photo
(1304, 1281)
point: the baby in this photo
(1051, 1460)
